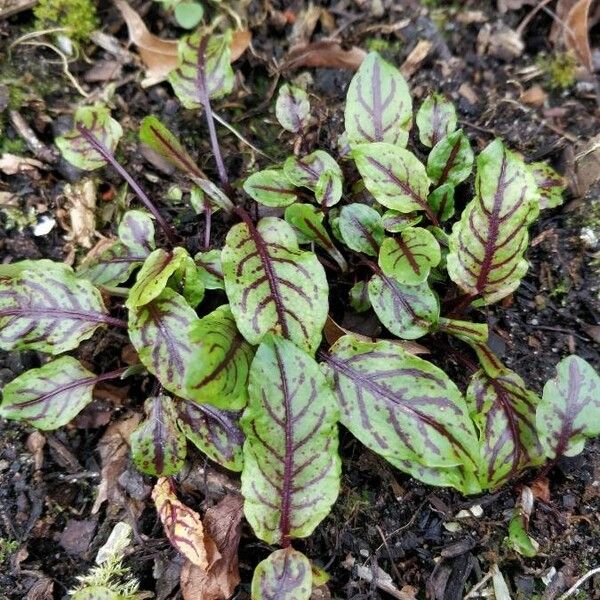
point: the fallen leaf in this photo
(35, 444)
(534, 96)
(240, 43)
(540, 488)
(499, 41)
(324, 53)
(81, 207)
(417, 55)
(585, 166)
(11, 164)
(577, 33)
(77, 535)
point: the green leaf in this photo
(217, 68)
(189, 14)
(214, 193)
(158, 447)
(284, 575)
(77, 150)
(404, 409)
(136, 231)
(191, 283)
(154, 275)
(272, 285)
(271, 187)
(46, 307)
(329, 188)
(518, 538)
(441, 201)
(503, 410)
(550, 184)
(435, 119)
(359, 297)
(291, 473)
(408, 311)
(450, 160)
(395, 222)
(218, 371)
(49, 397)
(488, 243)
(159, 331)
(464, 330)
(361, 228)
(292, 108)
(395, 176)
(570, 408)
(111, 267)
(308, 220)
(410, 256)
(214, 432)
(378, 104)
(209, 269)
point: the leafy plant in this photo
(242, 381)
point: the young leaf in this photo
(49, 309)
(218, 74)
(218, 197)
(361, 228)
(359, 297)
(272, 285)
(441, 201)
(550, 185)
(77, 150)
(292, 108)
(49, 397)
(488, 243)
(329, 188)
(284, 575)
(136, 231)
(209, 269)
(394, 176)
(378, 104)
(111, 267)
(395, 222)
(153, 276)
(519, 539)
(159, 332)
(464, 330)
(308, 220)
(450, 160)
(408, 311)
(158, 447)
(190, 282)
(291, 470)
(218, 371)
(570, 408)
(405, 409)
(410, 256)
(435, 119)
(504, 412)
(270, 187)
(215, 432)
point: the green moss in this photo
(560, 69)
(78, 16)
(383, 46)
(7, 547)
(12, 145)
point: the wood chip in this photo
(417, 55)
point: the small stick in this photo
(27, 134)
(579, 583)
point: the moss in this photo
(560, 69)
(7, 547)
(78, 16)
(384, 46)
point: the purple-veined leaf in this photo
(408, 311)
(214, 432)
(359, 297)
(214, 193)
(49, 397)
(271, 187)
(489, 362)
(550, 184)
(395, 177)
(441, 201)
(218, 74)
(405, 409)
(361, 228)
(218, 371)
(291, 473)
(450, 160)
(308, 220)
(272, 285)
(136, 231)
(329, 189)
(395, 222)
(435, 119)
(378, 104)
(46, 307)
(210, 270)
(152, 278)
(190, 282)
(569, 411)
(284, 575)
(77, 150)
(292, 108)
(488, 243)
(464, 330)
(111, 267)
(410, 256)
(158, 447)
(159, 331)
(504, 412)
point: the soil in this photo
(383, 518)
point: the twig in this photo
(241, 137)
(27, 134)
(579, 583)
(534, 11)
(384, 540)
(479, 585)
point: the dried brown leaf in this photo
(81, 207)
(11, 164)
(417, 55)
(325, 53)
(576, 34)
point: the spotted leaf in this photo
(284, 575)
(158, 447)
(292, 108)
(359, 297)
(291, 465)
(272, 285)
(488, 243)
(361, 228)
(551, 185)
(435, 119)
(450, 160)
(378, 104)
(405, 409)
(271, 187)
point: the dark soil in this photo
(383, 518)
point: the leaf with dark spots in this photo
(136, 231)
(435, 119)
(210, 270)
(158, 447)
(159, 331)
(361, 228)
(450, 160)
(359, 297)
(271, 187)
(291, 473)
(551, 185)
(405, 409)
(569, 411)
(273, 286)
(284, 575)
(292, 108)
